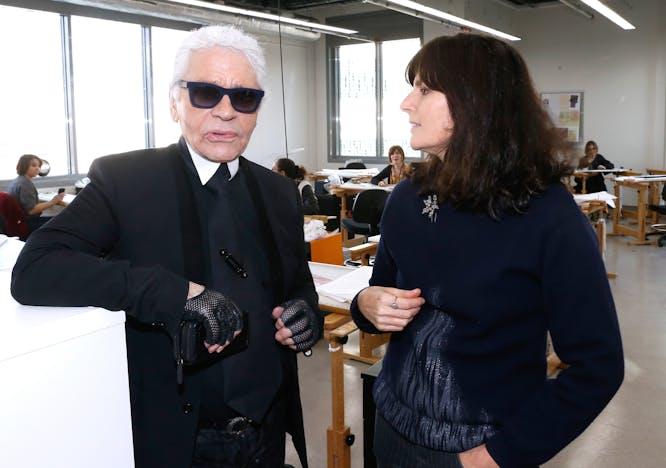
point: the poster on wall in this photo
(566, 110)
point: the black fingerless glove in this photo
(301, 320)
(219, 315)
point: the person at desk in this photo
(289, 169)
(23, 189)
(487, 273)
(593, 160)
(395, 171)
(224, 249)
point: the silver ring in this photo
(394, 304)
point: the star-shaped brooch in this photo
(431, 207)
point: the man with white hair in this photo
(204, 251)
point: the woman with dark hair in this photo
(395, 171)
(487, 273)
(593, 160)
(289, 169)
(25, 192)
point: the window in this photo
(108, 88)
(164, 43)
(79, 85)
(356, 98)
(396, 131)
(365, 119)
(33, 117)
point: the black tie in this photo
(219, 180)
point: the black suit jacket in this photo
(125, 243)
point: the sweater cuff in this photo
(359, 319)
(503, 453)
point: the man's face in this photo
(220, 133)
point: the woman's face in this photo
(396, 159)
(430, 118)
(33, 169)
(591, 151)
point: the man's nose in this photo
(224, 109)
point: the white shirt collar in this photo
(206, 168)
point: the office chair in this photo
(366, 212)
(15, 224)
(355, 165)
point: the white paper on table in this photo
(642, 178)
(366, 186)
(596, 196)
(375, 239)
(344, 288)
(350, 173)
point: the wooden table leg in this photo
(641, 214)
(338, 435)
(618, 207)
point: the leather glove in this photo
(220, 317)
(300, 319)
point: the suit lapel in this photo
(190, 228)
(268, 229)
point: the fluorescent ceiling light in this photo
(409, 5)
(608, 13)
(266, 16)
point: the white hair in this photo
(228, 37)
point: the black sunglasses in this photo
(207, 95)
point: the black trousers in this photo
(392, 450)
(243, 445)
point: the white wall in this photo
(268, 141)
(622, 74)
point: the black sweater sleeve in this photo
(384, 174)
(599, 160)
(583, 324)
(383, 274)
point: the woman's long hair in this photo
(503, 148)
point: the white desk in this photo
(64, 384)
(54, 210)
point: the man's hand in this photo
(477, 457)
(389, 309)
(220, 316)
(295, 321)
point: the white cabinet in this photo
(64, 395)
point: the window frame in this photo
(66, 11)
(383, 28)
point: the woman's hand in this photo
(381, 183)
(57, 200)
(477, 457)
(389, 309)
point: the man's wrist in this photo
(194, 290)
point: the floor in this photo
(630, 432)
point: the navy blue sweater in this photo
(471, 367)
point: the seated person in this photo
(289, 169)
(395, 171)
(25, 191)
(593, 160)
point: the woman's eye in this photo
(424, 91)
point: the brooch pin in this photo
(431, 207)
